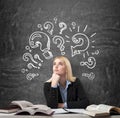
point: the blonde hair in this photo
(69, 74)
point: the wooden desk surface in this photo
(57, 116)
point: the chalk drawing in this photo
(40, 41)
(49, 27)
(28, 56)
(82, 42)
(91, 63)
(73, 25)
(60, 41)
(31, 76)
(90, 76)
(62, 26)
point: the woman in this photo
(63, 90)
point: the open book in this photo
(91, 110)
(23, 107)
(102, 110)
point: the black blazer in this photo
(76, 97)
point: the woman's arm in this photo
(79, 99)
(51, 95)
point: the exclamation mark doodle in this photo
(55, 19)
(73, 25)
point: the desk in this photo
(59, 116)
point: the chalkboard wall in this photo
(33, 32)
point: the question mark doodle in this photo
(63, 27)
(30, 66)
(41, 39)
(36, 56)
(49, 27)
(90, 64)
(82, 42)
(28, 56)
(61, 44)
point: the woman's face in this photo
(59, 67)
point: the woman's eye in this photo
(60, 63)
(54, 63)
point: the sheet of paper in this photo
(59, 111)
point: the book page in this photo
(100, 107)
(43, 111)
(91, 107)
(95, 113)
(22, 103)
(81, 111)
(62, 111)
(103, 107)
(9, 110)
(40, 106)
(59, 111)
(7, 114)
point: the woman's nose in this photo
(56, 66)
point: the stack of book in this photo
(23, 107)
